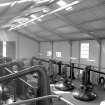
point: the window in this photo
(49, 53)
(58, 54)
(4, 48)
(84, 50)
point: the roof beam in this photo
(80, 39)
(8, 8)
(25, 35)
(70, 23)
(93, 20)
(97, 30)
(38, 36)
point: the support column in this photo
(52, 50)
(79, 52)
(100, 56)
(70, 44)
(18, 47)
(39, 50)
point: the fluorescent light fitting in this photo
(35, 17)
(41, 1)
(61, 3)
(45, 10)
(69, 8)
(5, 4)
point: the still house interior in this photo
(52, 52)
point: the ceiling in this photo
(83, 20)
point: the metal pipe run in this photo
(42, 98)
(20, 78)
(43, 84)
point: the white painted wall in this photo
(25, 48)
(64, 48)
(44, 48)
(75, 51)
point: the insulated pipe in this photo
(44, 86)
(42, 98)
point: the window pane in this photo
(4, 48)
(84, 50)
(58, 54)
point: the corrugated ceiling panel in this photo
(34, 28)
(5, 1)
(54, 37)
(100, 34)
(44, 33)
(2, 9)
(17, 8)
(86, 4)
(32, 35)
(67, 29)
(49, 17)
(78, 36)
(54, 23)
(94, 25)
(83, 4)
(90, 14)
(39, 39)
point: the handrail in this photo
(68, 65)
(44, 85)
(47, 60)
(42, 98)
